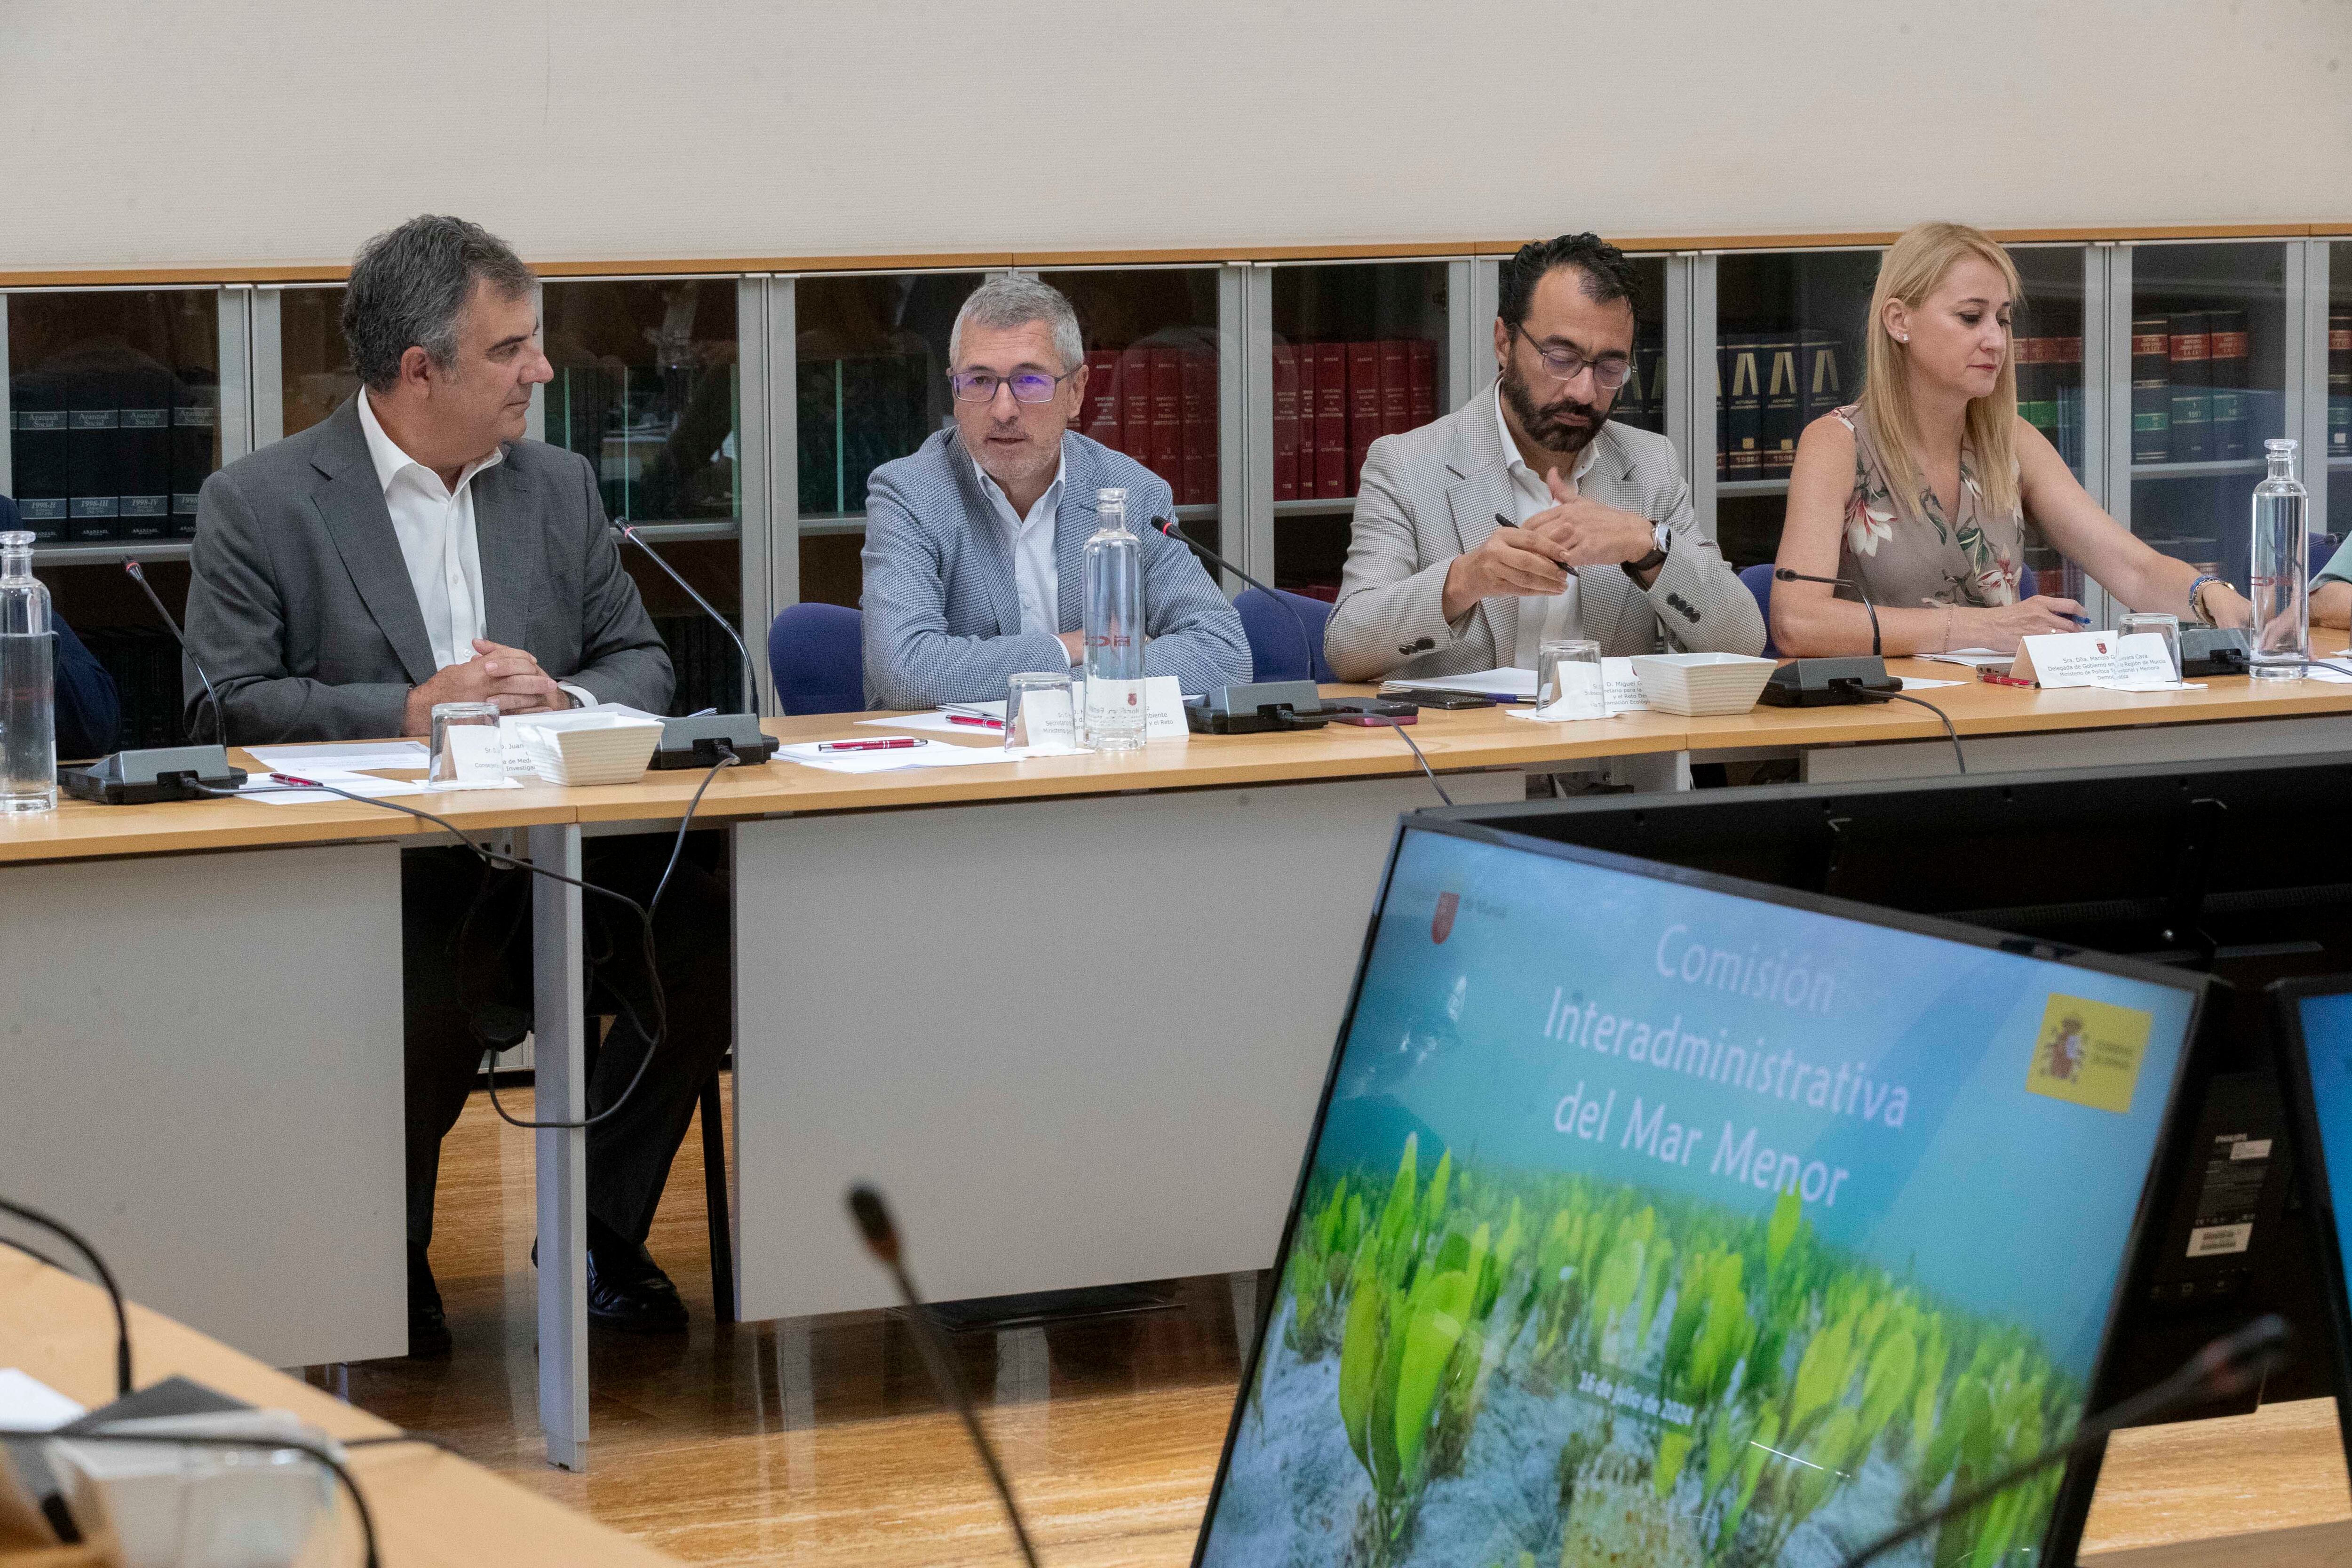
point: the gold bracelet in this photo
(1948, 611)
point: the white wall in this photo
(146, 133)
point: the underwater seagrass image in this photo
(1536, 1368)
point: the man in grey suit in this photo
(414, 549)
(975, 542)
(1525, 516)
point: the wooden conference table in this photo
(431, 1508)
(1073, 1013)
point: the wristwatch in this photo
(1662, 539)
(2196, 606)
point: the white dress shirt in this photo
(1035, 573)
(1543, 618)
(434, 526)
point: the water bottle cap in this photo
(16, 541)
(2279, 446)
(1106, 496)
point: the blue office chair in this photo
(2323, 550)
(816, 655)
(1275, 653)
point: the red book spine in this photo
(1420, 406)
(1286, 423)
(1168, 417)
(1330, 420)
(1102, 397)
(1363, 408)
(1396, 386)
(1200, 486)
(1135, 405)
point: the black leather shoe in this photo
(627, 1289)
(429, 1326)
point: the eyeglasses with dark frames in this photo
(1028, 385)
(1609, 372)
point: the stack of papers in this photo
(923, 754)
(1974, 658)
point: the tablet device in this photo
(2314, 1034)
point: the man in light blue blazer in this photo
(975, 542)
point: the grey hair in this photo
(409, 286)
(1009, 300)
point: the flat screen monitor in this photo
(2315, 1032)
(1653, 1217)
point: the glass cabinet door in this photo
(646, 389)
(2338, 475)
(115, 405)
(315, 374)
(2209, 365)
(871, 355)
(1152, 345)
(2046, 343)
(1360, 352)
(1789, 348)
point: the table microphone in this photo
(163, 773)
(881, 1234)
(1167, 525)
(1829, 682)
(2230, 1365)
(694, 743)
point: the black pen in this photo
(1507, 522)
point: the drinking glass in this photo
(1567, 679)
(1039, 712)
(2157, 623)
(466, 746)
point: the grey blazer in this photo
(300, 606)
(1432, 494)
(943, 611)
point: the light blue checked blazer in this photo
(943, 613)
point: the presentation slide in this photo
(2327, 1044)
(1650, 1224)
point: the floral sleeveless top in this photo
(1910, 555)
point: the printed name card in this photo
(1163, 707)
(2095, 658)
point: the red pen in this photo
(900, 744)
(297, 781)
(1987, 674)
(969, 719)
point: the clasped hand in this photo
(509, 677)
(1536, 557)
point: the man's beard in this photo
(1020, 465)
(1542, 423)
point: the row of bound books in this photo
(103, 454)
(2050, 392)
(1769, 387)
(1332, 401)
(2339, 385)
(1158, 403)
(856, 415)
(2190, 401)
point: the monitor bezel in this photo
(2073, 1505)
(2310, 1157)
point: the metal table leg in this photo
(559, 1066)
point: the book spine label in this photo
(2226, 369)
(1330, 420)
(1199, 486)
(1135, 405)
(1363, 407)
(1102, 399)
(2192, 403)
(1783, 406)
(2339, 386)
(1722, 409)
(1286, 423)
(1167, 458)
(2067, 373)
(1747, 404)
(1421, 382)
(2152, 390)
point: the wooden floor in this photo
(818, 1440)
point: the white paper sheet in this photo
(940, 723)
(343, 758)
(26, 1402)
(1913, 683)
(1974, 658)
(1516, 684)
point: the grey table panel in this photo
(2081, 749)
(203, 1072)
(1077, 1042)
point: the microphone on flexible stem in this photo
(1784, 574)
(2230, 1365)
(163, 773)
(881, 1234)
(1829, 682)
(694, 742)
(66, 1233)
(1167, 526)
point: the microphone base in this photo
(1827, 682)
(1258, 708)
(694, 743)
(143, 778)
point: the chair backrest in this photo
(1758, 581)
(816, 655)
(2322, 551)
(1272, 633)
(2029, 585)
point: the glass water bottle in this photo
(2281, 573)
(1114, 631)
(28, 715)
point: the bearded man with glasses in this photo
(1525, 516)
(975, 542)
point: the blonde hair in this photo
(1912, 268)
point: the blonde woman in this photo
(1920, 491)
